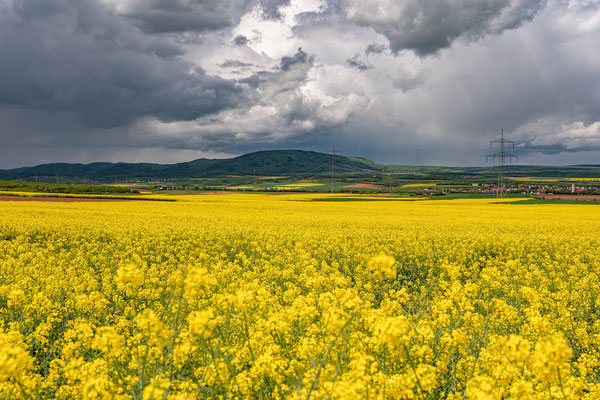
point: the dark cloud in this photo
(426, 26)
(240, 40)
(162, 16)
(234, 64)
(354, 62)
(59, 55)
(375, 48)
(299, 58)
(253, 81)
(270, 8)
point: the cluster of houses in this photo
(512, 188)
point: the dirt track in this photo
(57, 199)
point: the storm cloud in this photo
(63, 56)
(299, 58)
(271, 7)
(426, 26)
(160, 16)
(405, 82)
(358, 64)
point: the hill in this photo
(294, 164)
(261, 163)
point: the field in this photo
(40, 187)
(281, 296)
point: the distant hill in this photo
(298, 164)
(262, 163)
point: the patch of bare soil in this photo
(584, 197)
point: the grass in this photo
(82, 196)
(21, 186)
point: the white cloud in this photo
(552, 131)
(275, 37)
(284, 105)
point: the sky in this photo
(421, 82)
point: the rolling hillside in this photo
(262, 163)
(289, 163)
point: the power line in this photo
(317, 172)
(501, 156)
(333, 153)
(388, 172)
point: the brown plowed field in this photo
(56, 199)
(584, 197)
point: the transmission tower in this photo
(501, 156)
(389, 174)
(333, 153)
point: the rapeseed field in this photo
(255, 296)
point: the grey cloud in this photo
(299, 58)
(546, 96)
(175, 16)
(426, 26)
(162, 16)
(354, 62)
(58, 55)
(240, 40)
(375, 48)
(408, 82)
(234, 64)
(254, 80)
(271, 7)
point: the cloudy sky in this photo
(398, 81)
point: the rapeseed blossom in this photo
(259, 296)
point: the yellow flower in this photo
(521, 389)
(197, 280)
(393, 331)
(108, 340)
(15, 361)
(129, 277)
(482, 388)
(550, 356)
(517, 348)
(95, 388)
(16, 297)
(155, 389)
(202, 322)
(247, 296)
(383, 266)
(152, 328)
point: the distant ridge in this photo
(262, 163)
(290, 163)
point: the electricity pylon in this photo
(501, 156)
(333, 153)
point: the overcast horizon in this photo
(416, 82)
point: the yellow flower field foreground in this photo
(274, 296)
